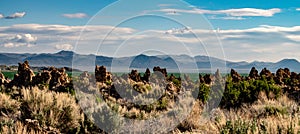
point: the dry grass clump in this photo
(20, 128)
(9, 112)
(8, 105)
(264, 116)
(50, 109)
(192, 121)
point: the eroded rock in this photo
(102, 75)
(253, 73)
(24, 76)
(161, 70)
(146, 77)
(267, 73)
(235, 76)
(135, 76)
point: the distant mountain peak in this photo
(289, 61)
(142, 55)
(65, 52)
(65, 58)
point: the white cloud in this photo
(75, 15)
(239, 12)
(16, 15)
(297, 9)
(64, 47)
(24, 38)
(9, 45)
(179, 30)
(20, 40)
(227, 18)
(249, 12)
(50, 35)
(13, 45)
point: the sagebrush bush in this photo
(8, 105)
(9, 111)
(50, 109)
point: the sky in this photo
(257, 30)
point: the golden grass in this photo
(20, 128)
(7, 104)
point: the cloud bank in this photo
(265, 43)
(19, 40)
(228, 14)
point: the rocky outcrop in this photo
(172, 88)
(54, 77)
(253, 73)
(59, 78)
(24, 76)
(135, 76)
(266, 73)
(235, 76)
(146, 77)
(207, 79)
(42, 78)
(161, 70)
(102, 75)
(201, 79)
(282, 75)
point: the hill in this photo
(172, 62)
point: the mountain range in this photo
(175, 63)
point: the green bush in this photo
(247, 91)
(203, 92)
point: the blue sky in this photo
(50, 12)
(262, 30)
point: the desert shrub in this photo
(162, 103)
(243, 92)
(8, 105)
(239, 127)
(193, 120)
(177, 83)
(253, 126)
(272, 110)
(50, 109)
(105, 117)
(21, 128)
(203, 92)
